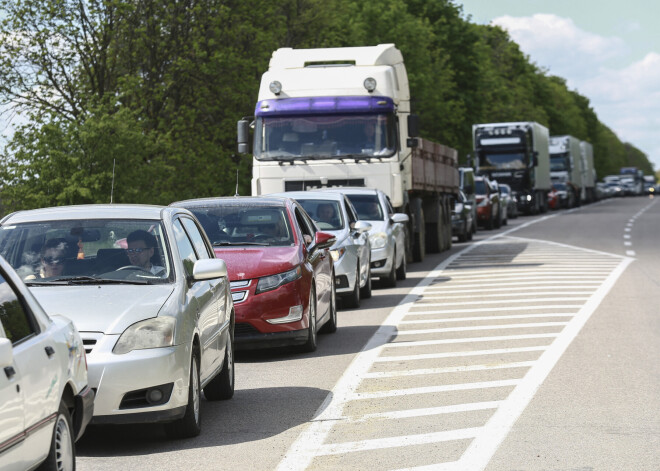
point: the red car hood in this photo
(254, 262)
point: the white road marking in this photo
(486, 318)
(405, 414)
(630, 253)
(448, 369)
(430, 356)
(357, 396)
(471, 328)
(496, 338)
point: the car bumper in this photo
(253, 311)
(381, 261)
(84, 406)
(345, 273)
(118, 378)
(484, 212)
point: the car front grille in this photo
(90, 339)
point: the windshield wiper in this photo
(226, 242)
(87, 280)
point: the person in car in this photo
(140, 248)
(52, 259)
(326, 213)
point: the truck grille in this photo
(313, 184)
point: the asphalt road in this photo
(534, 347)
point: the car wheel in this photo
(311, 344)
(353, 299)
(365, 292)
(463, 235)
(330, 327)
(222, 386)
(190, 425)
(401, 272)
(489, 223)
(471, 232)
(62, 453)
(389, 281)
(497, 223)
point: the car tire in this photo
(389, 281)
(490, 224)
(221, 387)
(365, 291)
(463, 235)
(62, 452)
(330, 327)
(311, 343)
(471, 232)
(190, 425)
(402, 271)
(353, 299)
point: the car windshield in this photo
(559, 186)
(368, 207)
(87, 251)
(504, 189)
(243, 224)
(318, 137)
(325, 213)
(480, 187)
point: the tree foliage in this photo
(138, 100)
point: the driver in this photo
(140, 250)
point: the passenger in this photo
(52, 259)
(372, 211)
(141, 247)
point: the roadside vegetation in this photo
(154, 89)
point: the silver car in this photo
(333, 213)
(387, 235)
(151, 301)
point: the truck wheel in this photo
(419, 240)
(62, 452)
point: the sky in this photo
(608, 51)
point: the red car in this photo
(279, 266)
(488, 203)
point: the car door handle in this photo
(9, 371)
(50, 351)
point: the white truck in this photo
(588, 171)
(339, 117)
(515, 153)
(566, 167)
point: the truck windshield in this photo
(502, 161)
(558, 162)
(318, 137)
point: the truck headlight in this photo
(271, 282)
(151, 333)
(378, 240)
(337, 253)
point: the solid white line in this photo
(393, 442)
(471, 328)
(499, 301)
(448, 369)
(359, 396)
(406, 414)
(421, 343)
(431, 356)
(484, 318)
(484, 446)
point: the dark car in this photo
(462, 222)
(488, 203)
(280, 269)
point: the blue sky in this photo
(608, 51)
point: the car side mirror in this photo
(399, 217)
(413, 125)
(323, 240)
(6, 353)
(243, 136)
(208, 269)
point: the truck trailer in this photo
(517, 154)
(566, 167)
(336, 117)
(588, 172)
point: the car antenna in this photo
(236, 182)
(112, 187)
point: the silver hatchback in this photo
(151, 301)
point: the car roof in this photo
(88, 211)
(321, 195)
(353, 190)
(232, 200)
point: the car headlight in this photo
(378, 240)
(151, 333)
(271, 282)
(337, 253)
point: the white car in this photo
(45, 401)
(333, 213)
(387, 235)
(149, 298)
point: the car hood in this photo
(377, 226)
(103, 308)
(341, 236)
(246, 263)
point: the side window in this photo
(352, 217)
(306, 226)
(186, 250)
(196, 237)
(15, 321)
